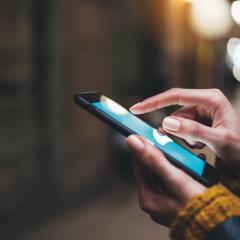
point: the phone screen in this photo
(163, 142)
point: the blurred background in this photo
(64, 174)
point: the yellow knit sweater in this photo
(206, 211)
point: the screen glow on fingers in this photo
(121, 116)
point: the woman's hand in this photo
(206, 116)
(179, 187)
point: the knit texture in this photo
(204, 212)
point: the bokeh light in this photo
(235, 11)
(233, 56)
(236, 71)
(236, 55)
(233, 48)
(211, 19)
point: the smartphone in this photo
(126, 123)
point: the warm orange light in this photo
(211, 19)
(188, 1)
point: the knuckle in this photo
(217, 97)
(176, 179)
(174, 91)
(179, 180)
(196, 130)
(147, 154)
(228, 136)
(217, 92)
(152, 163)
(228, 140)
(150, 157)
(155, 103)
(146, 205)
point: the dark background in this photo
(64, 174)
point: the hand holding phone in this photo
(126, 123)
(179, 188)
(205, 117)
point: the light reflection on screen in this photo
(163, 142)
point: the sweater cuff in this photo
(205, 212)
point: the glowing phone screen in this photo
(163, 142)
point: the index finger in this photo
(176, 96)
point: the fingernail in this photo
(135, 143)
(171, 124)
(133, 108)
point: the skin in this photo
(162, 206)
(205, 117)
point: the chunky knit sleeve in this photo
(205, 212)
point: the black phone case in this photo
(127, 132)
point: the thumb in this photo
(190, 129)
